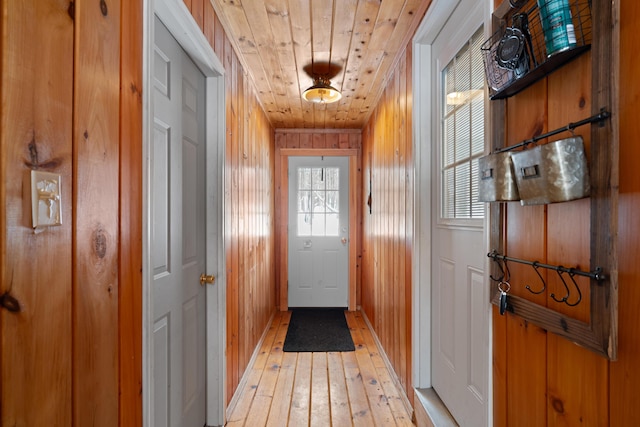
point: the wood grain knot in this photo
(34, 161)
(564, 325)
(537, 130)
(103, 8)
(9, 302)
(33, 151)
(100, 243)
(557, 404)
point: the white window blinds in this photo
(462, 131)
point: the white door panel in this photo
(318, 231)
(460, 314)
(460, 335)
(178, 236)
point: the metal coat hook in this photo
(544, 285)
(568, 292)
(596, 275)
(504, 270)
(565, 299)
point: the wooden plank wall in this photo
(61, 113)
(71, 104)
(96, 212)
(36, 133)
(625, 373)
(537, 376)
(317, 139)
(387, 235)
(130, 266)
(249, 204)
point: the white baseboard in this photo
(437, 413)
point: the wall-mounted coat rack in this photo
(598, 332)
(569, 298)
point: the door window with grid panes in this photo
(318, 196)
(462, 125)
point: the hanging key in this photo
(503, 288)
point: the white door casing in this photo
(451, 347)
(177, 18)
(318, 232)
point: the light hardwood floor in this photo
(318, 389)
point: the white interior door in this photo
(178, 212)
(318, 232)
(460, 309)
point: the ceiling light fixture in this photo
(322, 92)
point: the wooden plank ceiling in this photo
(283, 42)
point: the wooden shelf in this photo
(550, 65)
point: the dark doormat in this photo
(318, 329)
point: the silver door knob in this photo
(344, 240)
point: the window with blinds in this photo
(462, 132)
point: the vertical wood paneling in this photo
(35, 134)
(130, 237)
(209, 27)
(386, 279)
(526, 343)
(197, 10)
(625, 372)
(571, 400)
(249, 206)
(96, 157)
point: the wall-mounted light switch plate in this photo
(46, 199)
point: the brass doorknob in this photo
(207, 279)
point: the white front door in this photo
(318, 231)
(460, 309)
(178, 253)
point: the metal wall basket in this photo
(497, 181)
(551, 173)
(535, 37)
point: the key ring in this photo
(504, 289)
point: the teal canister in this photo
(559, 34)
